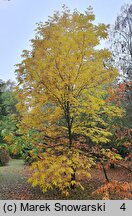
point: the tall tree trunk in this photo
(69, 123)
(70, 135)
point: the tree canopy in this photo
(121, 41)
(7, 106)
(62, 91)
(64, 74)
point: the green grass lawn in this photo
(13, 185)
(10, 176)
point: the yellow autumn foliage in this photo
(55, 170)
(61, 86)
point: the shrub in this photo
(4, 156)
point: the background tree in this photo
(7, 104)
(121, 46)
(121, 39)
(7, 110)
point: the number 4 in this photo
(123, 207)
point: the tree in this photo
(121, 41)
(7, 105)
(62, 83)
(121, 47)
(7, 108)
(120, 127)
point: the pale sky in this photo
(18, 20)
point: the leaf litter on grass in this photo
(14, 185)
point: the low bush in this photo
(4, 156)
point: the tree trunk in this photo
(73, 178)
(70, 135)
(69, 121)
(105, 173)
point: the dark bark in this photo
(73, 178)
(69, 121)
(105, 173)
(70, 135)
